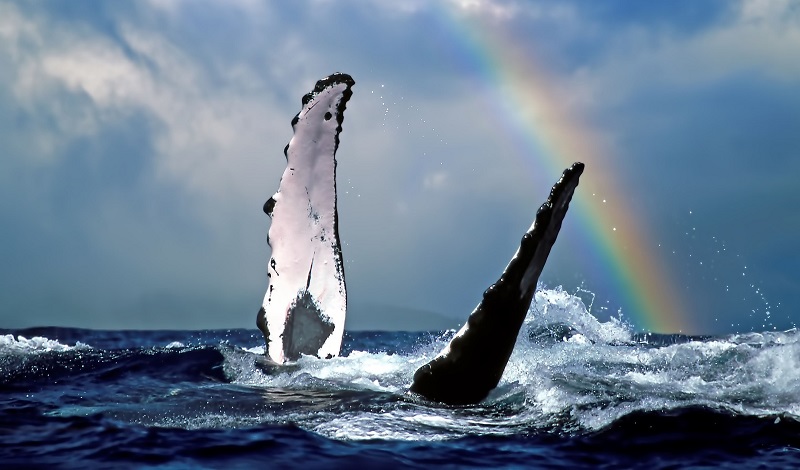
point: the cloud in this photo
(156, 158)
(140, 140)
(209, 137)
(505, 10)
(124, 162)
(753, 39)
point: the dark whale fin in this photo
(305, 304)
(472, 364)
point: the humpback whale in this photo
(471, 365)
(304, 308)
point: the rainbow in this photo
(524, 99)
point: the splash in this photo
(569, 372)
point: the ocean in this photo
(577, 393)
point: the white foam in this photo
(38, 344)
(358, 371)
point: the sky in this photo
(140, 139)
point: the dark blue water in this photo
(576, 393)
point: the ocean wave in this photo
(569, 374)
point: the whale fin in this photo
(306, 300)
(471, 365)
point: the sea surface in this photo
(577, 393)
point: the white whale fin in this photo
(304, 308)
